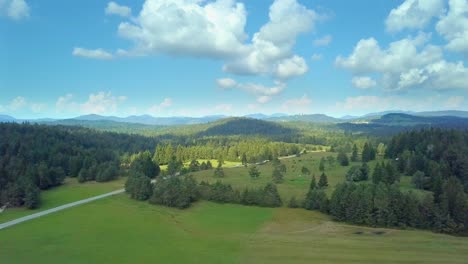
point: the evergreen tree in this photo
(254, 172)
(418, 179)
(343, 159)
(32, 196)
(377, 176)
(366, 153)
(244, 159)
(322, 164)
(364, 171)
(219, 171)
(323, 182)
(293, 203)
(354, 155)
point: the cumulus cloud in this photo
(17, 103)
(324, 41)
(113, 8)
(157, 108)
(187, 27)
(413, 14)
(14, 9)
(301, 104)
(406, 64)
(363, 82)
(93, 54)
(264, 94)
(270, 52)
(453, 26)
(99, 103)
(226, 83)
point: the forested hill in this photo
(34, 157)
(397, 122)
(247, 126)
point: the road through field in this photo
(58, 208)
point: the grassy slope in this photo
(70, 191)
(299, 236)
(295, 184)
(120, 230)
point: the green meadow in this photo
(121, 230)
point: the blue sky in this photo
(190, 57)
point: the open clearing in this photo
(121, 230)
(295, 182)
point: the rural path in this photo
(58, 208)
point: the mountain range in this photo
(277, 117)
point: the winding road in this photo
(59, 208)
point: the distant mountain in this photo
(7, 118)
(397, 122)
(456, 113)
(313, 118)
(263, 116)
(151, 120)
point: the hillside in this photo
(246, 126)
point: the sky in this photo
(62, 59)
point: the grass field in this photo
(70, 191)
(120, 230)
(295, 184)
(214, 163)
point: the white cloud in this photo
(294, 66)
(406, 64)
(366, 104)
(324, 41)
(453, 26)
(115, 9)
(301, 104)
(93, 54)
(157, 108)
(187, 27)
(264, 94)
(363, 82)
(17, 103)
(14, 9)
(99, 103)
(316, 57)
(226, 83)
(271, 51)
(65, 103)
(38, 107)
(413, 14)
(454, 102)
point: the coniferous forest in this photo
(38, 157)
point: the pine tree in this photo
(366, 153)
(354, 155)
(323, 182)
(378, 173)
(322, 164)
(253, 172)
